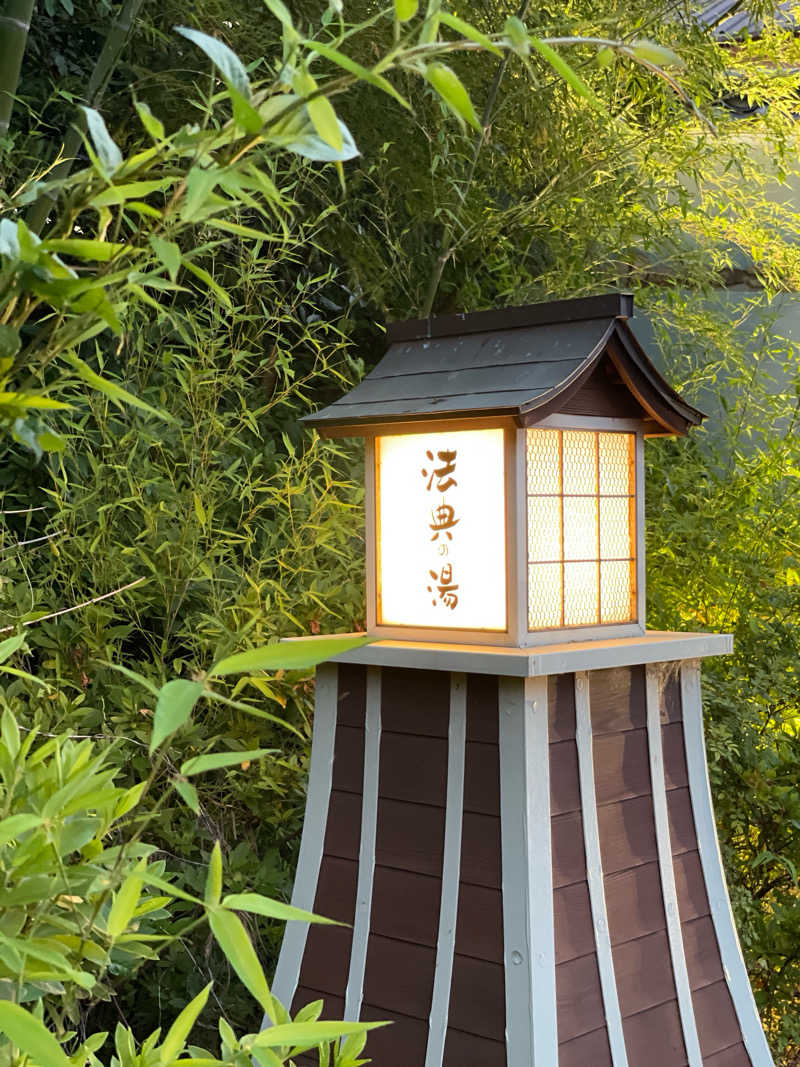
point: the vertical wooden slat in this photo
(664, 844)
(287, 973)
(713, 872)
(366, 855)
(451, 869)
(594, 870)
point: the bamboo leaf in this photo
(224, 59)
(213, 890)
(560, 65)
(216, 760)
(346, 63)
(176, 701)
(168, 253)
(280, 11)
(655, 53)
(405, 9)
(108, 152)
(466, 29)
(154, 126)
(294, 655)
(451, 89)
(306, 1035)
(273, 909)
(204, 276)
(232, 938)
(124, 906)
(100, 251)
(10, 646)
(31, 1035)
(173, 1044)
(188, 794)
(111, 389)
(15, 825)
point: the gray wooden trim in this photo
(516, 530)
(589, 422)
(664, 845)
(366, 853)
(713, 871)
(594, 870)
(529, 663)
(287, 973)
(529, 947)
(370, 533)
(541, 919)
(597, 632)
(420, 633)
(641, 562)
(451, 872)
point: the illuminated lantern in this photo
(508, 800)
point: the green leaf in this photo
(101, 251)
(173, 1044)
(107, 151)
(169, 254)
(215, 760)
(560, 65)
(9, 341)
(451, 89)
(655, 53)
(280, 11)
(320, 111)
(272, 909)
(302, 1035)
(204, 276)
(119, 194)
(111, 389)
(213, 890)
(606, 57)
(167, 888)
(154, 126)
(405, 9)
(346, 63)
(466, 29)
(9, 732)
(15, 825)
(232, 938)
(10, 646)
(293, 655)
(516, 34)
(176, 701)
(31, 1036)
(224, 59)
(188, 794)
(122, 910)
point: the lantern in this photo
(508, 804)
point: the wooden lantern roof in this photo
(518, 365)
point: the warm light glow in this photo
(441, 530)
(581, 528)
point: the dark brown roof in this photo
(520, 363)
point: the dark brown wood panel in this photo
(336, 889)
(590, 1050)
(579, 997)
(410, 837)
(326, 960)
(479, 932)
(480, 850)
(654, 1038)
(565, 789)
(617, 698)
(671, 705)
(676, 773)
(574, 931)
(621, 766)
(627, 834)
(405, 906)
(681, 821)
(735, 1056)
(482, 778)
(717, 1025)
(690, 886)
(399, 1045)
(477, 998)
(644, 973)
(482, 702)
(415, 702)
(352, 686)
(399, 976)
(634, 903)
(467, 1050)
(348, 759)
(703, 960)
(343, 832)
(413, 768)
(603, 393)
(561, 704)
(569, 858)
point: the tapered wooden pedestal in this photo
(523, 847)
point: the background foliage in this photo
(245, 528)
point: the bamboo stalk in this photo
(15, 22)
(103, 69)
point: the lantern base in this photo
(522, 846)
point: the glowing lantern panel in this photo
(441, 530)
(581, 528)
